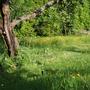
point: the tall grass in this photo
(48, 63)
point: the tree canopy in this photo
(65, 17)
(52, 17)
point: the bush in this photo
(67, 17)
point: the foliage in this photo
(82, 20)
(48, 63)
(45, 26)
(67, 17)
(25, 29)
(21, 7)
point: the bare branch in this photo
(33, 14)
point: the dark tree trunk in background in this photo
(7, 33)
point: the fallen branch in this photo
(33, 14)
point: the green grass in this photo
(47, 63)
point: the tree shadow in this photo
(14, 81)
(78, 50)
(49, 81)
(2, 45)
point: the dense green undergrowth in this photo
(65, 17)
(47, 63)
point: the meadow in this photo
(47, 63)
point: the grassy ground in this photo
(48, 63)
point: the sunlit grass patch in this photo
(48, 63)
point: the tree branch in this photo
(33, 14)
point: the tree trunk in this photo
(6, 29)
(8, 35)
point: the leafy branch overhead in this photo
(33, 14)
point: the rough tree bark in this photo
(7, 27)
(7, 33)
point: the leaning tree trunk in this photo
(8, 35)
(7, 27)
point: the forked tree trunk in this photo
(8, 35)
(6, 28)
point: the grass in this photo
(47, 63)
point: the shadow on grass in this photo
(78, 50)
(16, 82)
(64, 80)
(2, 45)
